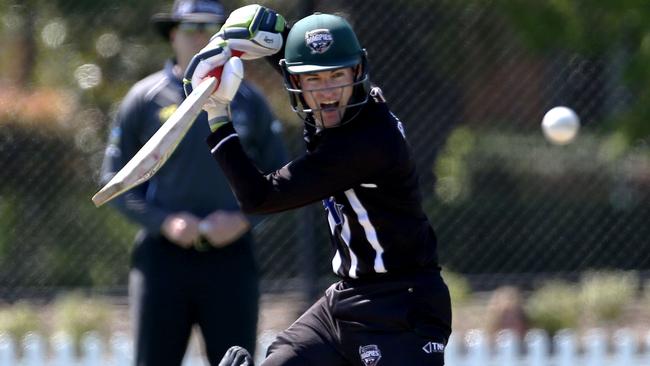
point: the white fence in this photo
(59, 350)
(595, 348)
(34, 350)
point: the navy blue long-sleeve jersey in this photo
(188, 181)
(365, 175)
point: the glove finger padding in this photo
(254, 30)
(206, 62)
(218, 103)
(231, 77)
(252, 50)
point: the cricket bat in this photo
(155, 152)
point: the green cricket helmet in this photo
(324, 42)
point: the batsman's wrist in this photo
(224, 132)
(216, 122)
(218, 114)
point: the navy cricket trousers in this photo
(171, 289)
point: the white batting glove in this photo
(254, 31)
(218, 105)
(215, 59)
(207, 61)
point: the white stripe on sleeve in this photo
(222, 141)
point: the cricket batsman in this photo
(391, 306)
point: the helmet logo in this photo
(319, 40)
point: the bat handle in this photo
(217, 72)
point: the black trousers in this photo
(403, 320)
(171, 289)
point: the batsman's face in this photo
(327, 94)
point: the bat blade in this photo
(155, 152)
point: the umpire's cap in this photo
(189, 11)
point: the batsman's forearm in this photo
(245, 179)
(257, 193)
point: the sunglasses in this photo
(209, 28)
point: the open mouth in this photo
(329, 106)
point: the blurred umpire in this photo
(193, 259)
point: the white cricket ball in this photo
(560, 125)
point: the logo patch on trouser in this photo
(370, 354)
(433, 347)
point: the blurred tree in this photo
(78, 56)
(50, 40)
(594, 32)
(19, 21)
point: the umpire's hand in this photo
(236, 356)
(221, 228)
(181, 229)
